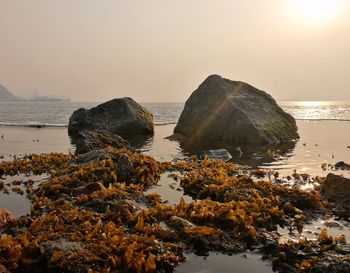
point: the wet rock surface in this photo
(336, 188)
(123, 117)
(222, 154)
(341, 165)
(225, 111)
(88, 140)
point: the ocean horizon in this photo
(56, 114)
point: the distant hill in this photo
(6, 95)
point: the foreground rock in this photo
(98, 139)
(231, 112)
(336, 188)
(341, 165)
(122, 116)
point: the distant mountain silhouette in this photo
(6, 95)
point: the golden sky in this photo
(160, 50)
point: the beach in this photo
(321, 142)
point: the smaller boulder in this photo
(124, 117)
(341, 165)
(336, 188)
(87, 141)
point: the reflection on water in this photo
(317, 110)
(246, 154)
(17, 203)
(169, 189)
(221, 263)
(320, 142)
(311, 231)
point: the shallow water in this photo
(331, 138)
(17, 203)
(170, 189)
(220, 263)
(320, 142)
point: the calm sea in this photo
(58, 113)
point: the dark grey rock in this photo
(342, 166)
(87, 141)
(221, 154)
(122, 116)
(336, 187)
(230, 112)
(125, 168)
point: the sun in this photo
(316, 11)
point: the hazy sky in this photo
(159, 50)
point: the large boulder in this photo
(123, 116)
(233, 112)
(88, 140)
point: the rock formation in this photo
(233, 112)
(123, 117)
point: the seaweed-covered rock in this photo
(5, 217)
(229, 112)
(88, 140)
(122, 116)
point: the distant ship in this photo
(36, 97)
(48, 99)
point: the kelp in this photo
(92, 214)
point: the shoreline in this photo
(318, 144)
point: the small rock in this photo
(342, 165)
(5, 217)
(221, 154)
(88, 188)
(87, 141)
(179, 223)
(336, 188)
(333, 225)
(125, 168)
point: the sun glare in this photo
(316, 11)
